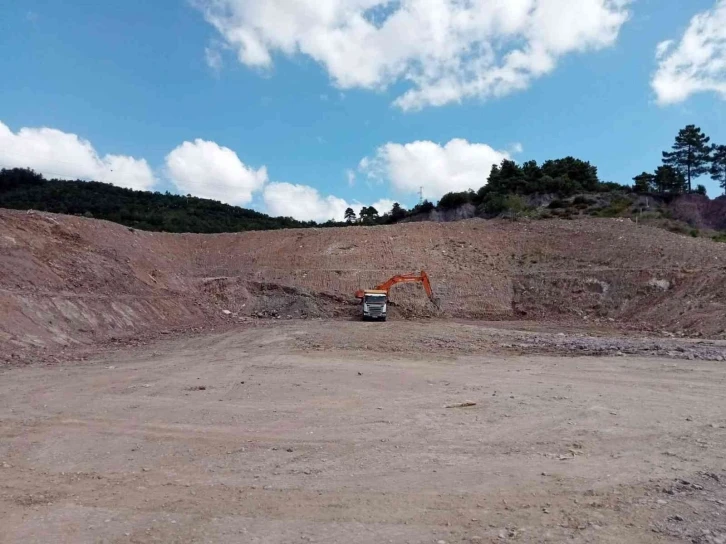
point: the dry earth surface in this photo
(315, 431)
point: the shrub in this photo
(617, 207)
(583, 201)
(454, 200)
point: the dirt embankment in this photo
(700, 211)
(67, 279)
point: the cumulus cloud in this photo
(57, 154)
(456, 166)
(307, 204)
(447, 50)
(208, 170)
(350, 176)
(302, 202)
(697, 63)
(382, 206)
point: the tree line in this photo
(691, 156)
(25, 189)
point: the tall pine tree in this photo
(718, 165)
(691, 154)
(643, 182)
(669, 180)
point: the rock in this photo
(289, 450)
(465, 404)
(6, 465)
(226, 312)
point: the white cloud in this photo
(382, 206)
(213, 56)
(448, 50)
(456, 166)
(57, 154)
(350, 175)
(697, 63)
(302, 202)
(516, 148)
(207, 170)
(307, 204)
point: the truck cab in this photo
(375, 305)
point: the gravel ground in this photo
(340, 431)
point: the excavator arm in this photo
(406, 278)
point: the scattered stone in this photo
(466, 404)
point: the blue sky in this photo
(137, 79)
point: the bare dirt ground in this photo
(340, 431)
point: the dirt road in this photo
(266, 435)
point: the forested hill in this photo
(24, 189)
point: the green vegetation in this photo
(691, 157)
(718, 165)
(24, 189)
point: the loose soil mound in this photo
(67, 280)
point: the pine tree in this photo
(690, 155)
(397, 212)
(718, 165)
(350, 215)
(643, 182)
(669, 180)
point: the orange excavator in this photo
(375, 301)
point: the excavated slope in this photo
(68, 279)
